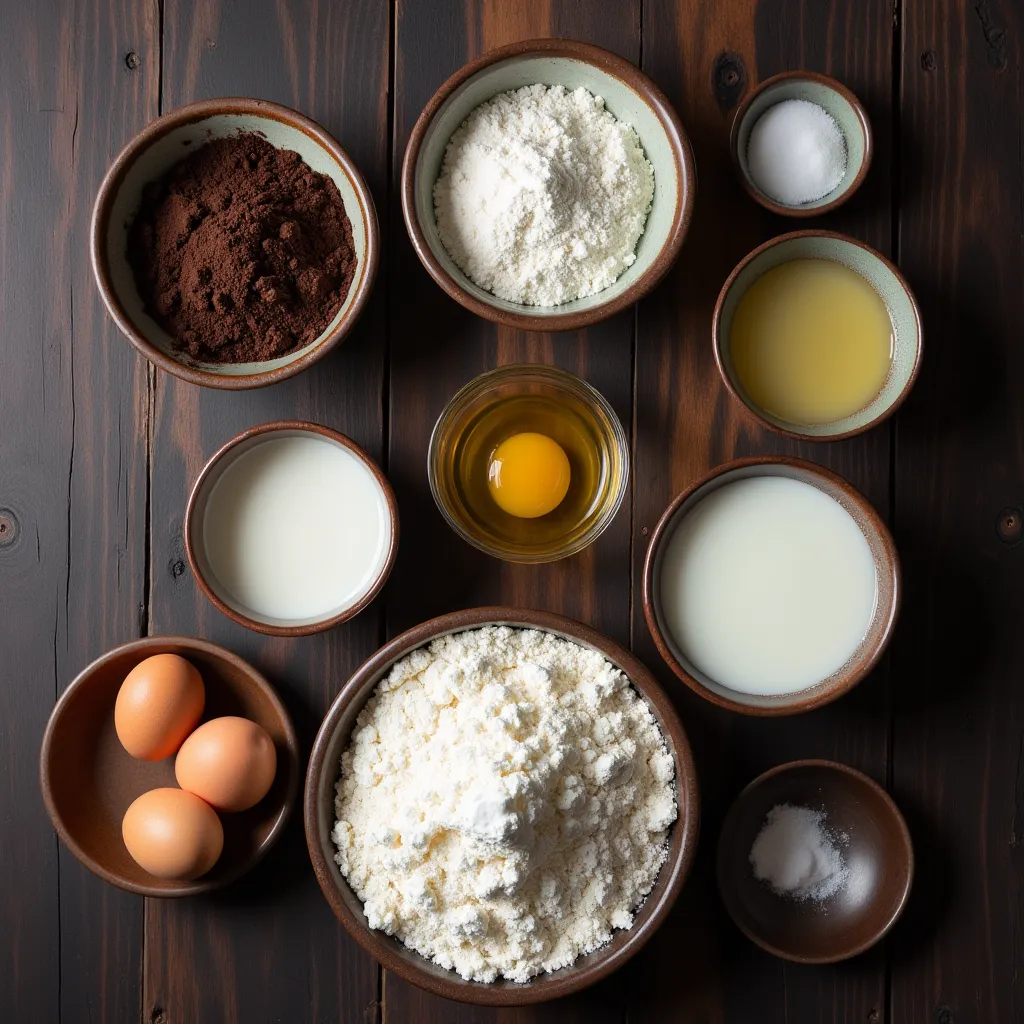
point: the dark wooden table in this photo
(97, 452)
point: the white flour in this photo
(504, 803)
(543, 195)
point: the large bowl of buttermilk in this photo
(501, 806)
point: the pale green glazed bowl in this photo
(158, 147)
(629, 95)
(887, 281)
(837, 100)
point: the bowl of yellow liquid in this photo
(528, 463)
(817, 335)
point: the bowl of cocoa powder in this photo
(234, 242)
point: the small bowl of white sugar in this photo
(548, 185)
(815, 862)
(501, 806)
(801, 143)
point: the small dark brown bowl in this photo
(325, 769)
(195, 547)
(158, 147)
(887, 579)
(837, 100)
(630, 95)
(878, 852)
(89, 780)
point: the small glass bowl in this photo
(590, 411)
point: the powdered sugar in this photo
(797, 856)
(504, 803)
(543, 195)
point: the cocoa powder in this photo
(242, 252)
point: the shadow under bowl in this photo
(846, 110)
(888, 587)
(877, 850)
(149, 156)
(89, 780)
(325, 770)
(628, 94)
(199, 557)
(888, 283)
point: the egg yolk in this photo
(528, 475)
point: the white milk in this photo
(767, 585)
(296, 528)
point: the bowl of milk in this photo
(291, 528)
(771, 586)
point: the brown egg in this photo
(173, 834)
(229, 762)
(158, 705)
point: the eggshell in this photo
(158, 705)
(173, 834)
(229, 762)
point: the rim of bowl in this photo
(561, 377)
(829, 83)
(635, 80)
(718, 341)
(908, 847)
(156, 645)
(111, 184)
(844, 682)
(307, 629)
(544, 986)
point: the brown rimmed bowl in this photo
(884, 278)
(834, 97)
(630, 95)
(89, 780)
(165, 142)
(877, 849)
(325, 769)
(195, 546)
(887, 582)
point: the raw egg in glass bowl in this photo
(528, 463)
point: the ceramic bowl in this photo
(467, 406)
(847, 111)
(630, 95)
(324, 771)
(89, 780)
(887, 281)
(195, 543)
(876, 848)
(165, 142)
(887, 582)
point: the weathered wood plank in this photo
(958, 740)
(73, 423)
(698, 967)
(435, 340)
(269, 948)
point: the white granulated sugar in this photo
(796, 152)
(543, 195)
(796, 855)
(504, 803)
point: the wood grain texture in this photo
(435, 340)
(73, 477)
(958, 741)
(705, 57)
(269, 948)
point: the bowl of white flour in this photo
(547, 185)
(501, 806)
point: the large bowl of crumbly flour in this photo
(501, 806)
(494, 273)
